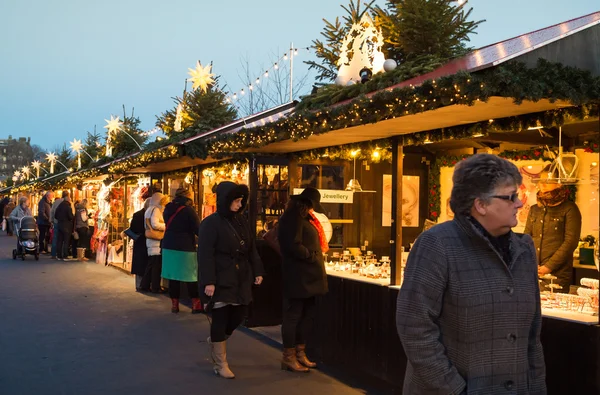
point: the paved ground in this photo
(75, 328)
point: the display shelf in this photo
(571, 316)
(352, 276)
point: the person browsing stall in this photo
(228, 265)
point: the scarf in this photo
(322, 239)
(501, 243)
(552, 198)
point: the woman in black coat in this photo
(140, 252)
(228, 265)
(302, 242)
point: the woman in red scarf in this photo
(302, 242)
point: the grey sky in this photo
(66, 65)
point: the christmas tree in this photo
(334, 34)
(93, 146)
(200, 111)
(122, 142)
(427, 31)
(418, 28)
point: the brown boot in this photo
(211, 349)
(221, 366)
(196, 306)
(301, 356)
(289, 362)
(174, 305)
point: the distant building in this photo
(14, 154)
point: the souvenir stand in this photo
(424, 126)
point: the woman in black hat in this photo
(303, 242)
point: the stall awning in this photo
(496, 107)
(263, 118)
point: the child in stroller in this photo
(27, 239)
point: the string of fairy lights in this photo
(287, 56)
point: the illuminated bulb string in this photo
(242, 92)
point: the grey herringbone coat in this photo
(469, 322)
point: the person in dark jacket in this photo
(468, 313)
(228, 265)
(43, 220)
(82, 228)
(139, 261)
(555, 226)
(302, 242)
(64, 217)
(10, 206)
(179, 262)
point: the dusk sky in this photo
(66, 65)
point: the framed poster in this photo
(410, 201)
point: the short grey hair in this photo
(23, 199)
(477, 177)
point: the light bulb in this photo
(285, 57)
(266, 74)
(276, 66)
(257, 81)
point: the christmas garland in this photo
(144, 158)
(591, 146)
(434, 179)
(546, 81)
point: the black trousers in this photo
(175, 289)
(151, 279)
(225, 320)
(84, 240)
(44, 234)
(63, 241)
(298, 317)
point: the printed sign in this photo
(331, 195)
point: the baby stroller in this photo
(27, 239)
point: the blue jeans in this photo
(54, 241)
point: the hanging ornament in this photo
(389, 65)
(178, 118)
(51, 157)
(361, 49)
(114, 125)
(201, 77)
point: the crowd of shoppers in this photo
(464, 278)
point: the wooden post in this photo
(396, 236)
(253, 198)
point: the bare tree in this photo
(269, 86)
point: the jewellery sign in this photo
(332, 195)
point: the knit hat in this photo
(184, 192)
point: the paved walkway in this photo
(74, 328)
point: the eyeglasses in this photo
(513, 197)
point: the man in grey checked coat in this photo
(468, 312)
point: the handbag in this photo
(131, 234)
(152, 233)
(272, 239)
(76, 235)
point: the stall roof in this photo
(261, 118)
(496, 107)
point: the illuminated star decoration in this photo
(178, 118)
(18, 174)
(36, 165)
(201, 77)
(51, 157)
(25, 171)
(114, 125)
(76, 146)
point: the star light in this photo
(114, 125)
(76, 145)
(36, 165)
(51, 157)
(201, 77)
